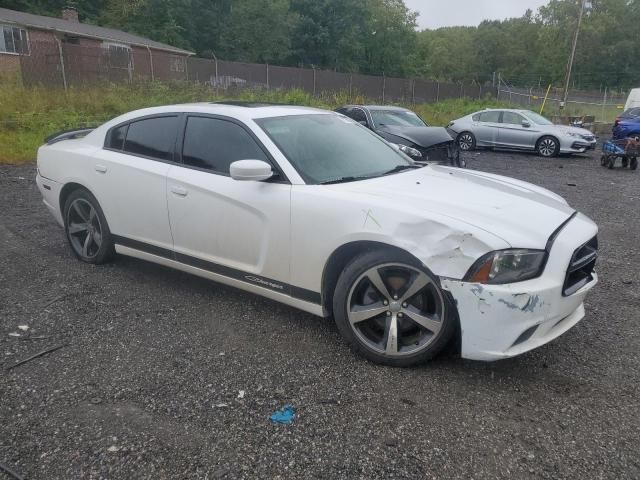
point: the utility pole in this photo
(565, 96)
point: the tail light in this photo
(617, 122)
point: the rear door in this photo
(238, 229)
(487, 128)
(130, 179)
(513, 132)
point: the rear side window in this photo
(152, 137)
(214, 145)
(115, 138)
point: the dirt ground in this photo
(147, 384)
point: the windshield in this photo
(538, 119)
(329, 148)
(396, 118)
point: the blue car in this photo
(627, 125)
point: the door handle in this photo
(101, 169)
(181, 192)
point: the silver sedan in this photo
(520, 130)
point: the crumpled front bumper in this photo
(502, 321)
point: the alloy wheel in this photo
(396, 310)
(84, 228)
(465, 142)
(547, 147)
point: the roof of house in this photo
(83, 30)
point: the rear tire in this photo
(548, 147)
(391, 310)
(634, 163)
(86, 227)
(466, 141)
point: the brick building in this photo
(44, 49)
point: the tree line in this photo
(381, 37)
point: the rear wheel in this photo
(603, 160)
(466, 141)
(634, 163)
(625, 162)
(87, 229)
(612, 162)
(391, 310)
(548, 147)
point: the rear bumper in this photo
(50, 191)
(502, 321)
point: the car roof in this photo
(244, 111)
(391, 108)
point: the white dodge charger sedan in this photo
(311, 209)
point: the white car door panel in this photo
(239, 225)
(133, 188)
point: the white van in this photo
(634, 99)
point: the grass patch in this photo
(29, 115)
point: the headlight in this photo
(507, 266)
(412, 152)
(574, 135)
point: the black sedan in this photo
(408, 131)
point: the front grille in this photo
(581, 267)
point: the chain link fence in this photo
(603, 106)
(65, 65)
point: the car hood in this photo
(521, 214)
(576, 130)
(421, 136)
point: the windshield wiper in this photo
(344, 180)
(402, 168)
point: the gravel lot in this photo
(147, 386)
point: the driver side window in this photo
(512, 118)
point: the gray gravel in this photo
(148, 385)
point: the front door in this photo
(238, 229)
(516, 131)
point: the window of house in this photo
(119, 55)
(215, 144)
(14, 40)
(178, 64)
(152, 137)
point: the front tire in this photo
(391, 310)
(87, 230)
(548, 147)
(466, 141)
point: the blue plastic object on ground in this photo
(285, 415)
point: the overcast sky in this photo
(445, 13)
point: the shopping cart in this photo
(627, 149)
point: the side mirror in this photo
(250, 170)
(526, 124)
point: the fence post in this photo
(216, 72)
(64, 74)
(384, 86)
(267, 68)
(413, 91)
(153, 77)
(314, 81)
(350, 86)
(604, 104)
(438, 91)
